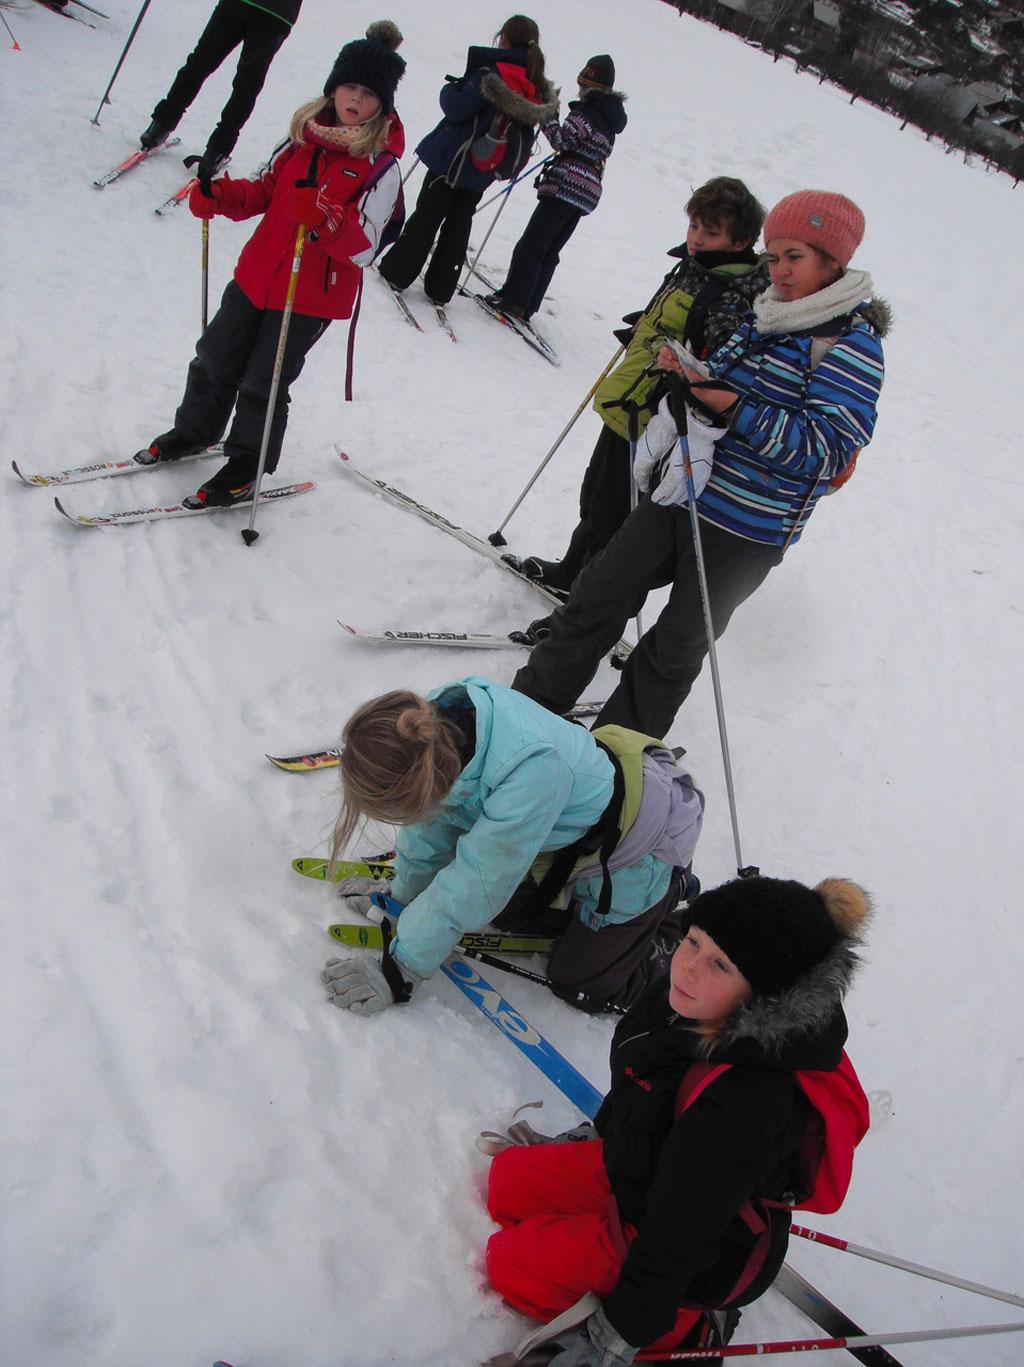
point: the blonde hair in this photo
(399, 759)
(369, 138)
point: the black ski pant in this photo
(233, 369)
(654, 547)
(536, 254)
(610, 966)
(232, 22)
(441, 212)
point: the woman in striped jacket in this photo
(795, 391)
(567, 188)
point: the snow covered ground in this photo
(200, 1158)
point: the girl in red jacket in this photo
(325, 178)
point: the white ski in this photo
(475, 543)
(442, 318)
(153, 514)
(469, 639)
(105, 469)
(141, 154)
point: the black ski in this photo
(835, 1322)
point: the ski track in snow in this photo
(199, 1157)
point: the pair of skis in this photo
(142, 154)
(108, 469)
(524, 330)
(440, 312)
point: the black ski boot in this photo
(231, 484)
(168, 446)
(155, 135)
(535, 632)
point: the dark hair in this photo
(521, 31)
(726, 203)
(398, 760)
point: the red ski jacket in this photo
(329, 273)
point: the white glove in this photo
(657, 440)
(672, 491)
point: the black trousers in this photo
(654, 547)
(611, 966)
(232, 22)
(441, 212)
(233, 369)
(536, 254)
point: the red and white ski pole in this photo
(918, 1269)
(737, 1350)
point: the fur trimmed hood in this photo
(517, 106)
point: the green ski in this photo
(373, 866)
(370, 937)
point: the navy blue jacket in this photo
(493, 76)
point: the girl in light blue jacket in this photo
(482, 781)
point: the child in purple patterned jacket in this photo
(568, 187)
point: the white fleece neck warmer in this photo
(774, 314)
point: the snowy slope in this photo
(199, 1157)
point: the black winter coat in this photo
(681, 1182)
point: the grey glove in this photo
(358, 985)
(596, 1344)
(357, 891)
(522, 1133)
(366, 986)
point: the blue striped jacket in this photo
(794, 428)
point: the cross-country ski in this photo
(136, 158)
(468, 640)
(79, 474)
(155, 513)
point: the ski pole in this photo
(408, 173)
(472, 267)
(521, 176)
(15, 45)
(206, 273)
(855, 1341)
(918, 1269)
(250, 534)
(496, 538)
(677, 403)
(131, 37)
(633, 426)
(492, 961)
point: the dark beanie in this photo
(773, 929)
(371, 61)
(599, 72)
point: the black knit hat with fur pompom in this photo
(775, 930)
(372, 62)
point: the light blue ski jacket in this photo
(535, 783)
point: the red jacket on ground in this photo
(328, 276)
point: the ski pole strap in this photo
(400, 989)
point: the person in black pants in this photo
(509, 77)
(261, 29)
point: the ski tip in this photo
(345, 627)
(25, 479)
(61, 509)
(343, 455)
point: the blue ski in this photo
(524, 1036)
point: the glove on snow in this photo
(366, 987)
(598, 1345)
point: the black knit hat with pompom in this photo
(775, 930)
(372, 62)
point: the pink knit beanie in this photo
(830, 222)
